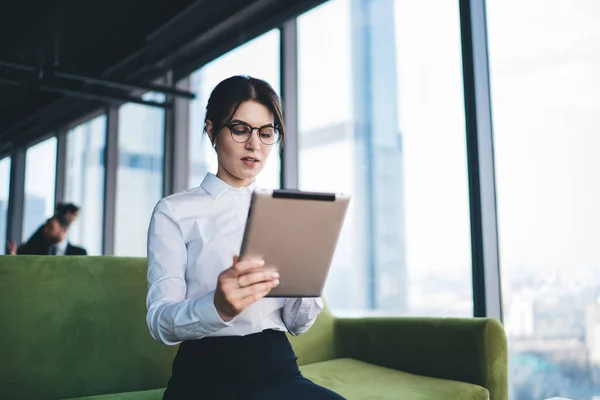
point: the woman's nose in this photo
(254, 141)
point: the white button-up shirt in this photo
(192, 238)
(61, 248)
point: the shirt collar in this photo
(61, 247)
(216, 187)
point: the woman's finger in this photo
(243, 266)
(252, 298)
(239, 267)
(251, 290)
(255, 277)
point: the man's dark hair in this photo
(64, 208)
(61, 219)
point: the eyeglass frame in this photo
(252, 128)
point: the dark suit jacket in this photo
(35, 245)
(42, 249)
(75, 250)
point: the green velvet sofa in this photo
(72, 327)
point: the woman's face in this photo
(240, 163)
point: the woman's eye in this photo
(240, 131)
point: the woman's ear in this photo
(208, 127)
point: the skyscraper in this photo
(363, 156)
(379, 152)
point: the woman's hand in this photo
(242, 284)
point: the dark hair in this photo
(61, 219)
(64, 208)
(227, 96)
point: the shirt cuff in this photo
(208, 314)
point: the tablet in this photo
(296, 233)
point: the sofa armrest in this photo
(470, 350)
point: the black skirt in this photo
(258, 366)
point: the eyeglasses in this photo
(242, 132)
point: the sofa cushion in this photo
(358, 380)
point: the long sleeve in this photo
(299, 314)
(171, 317)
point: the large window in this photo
(40, 174)
(4, 188)
(381, 117)
(258, 58)
(140, 174)
(545, 86)
(84, 183)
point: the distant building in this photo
(379, 166)
(519, 317)
(592, 339)
(364, 156)
(558, 317)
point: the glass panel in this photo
(545, 83)
(40, 175)
(140, 174)
(4, 190)
(258, 58)
(84, 184)
(388, 117)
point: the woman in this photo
(233, 341)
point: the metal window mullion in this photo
(168, 142)
(111, 165)
(487, 299)
(61, 167)
(176, 168)
(16, 196)
(289, 93)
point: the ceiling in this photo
(125, 40)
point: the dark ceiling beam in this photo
(131, 86)
(236, 24)
(9, 82)
(176, 28)
(111, 98)
(259, 17)
(17, 66)
(185, 46)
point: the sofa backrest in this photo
(76, 326)
(317, 344)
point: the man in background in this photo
(53, 241)
(70, 212)
(51, 237)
